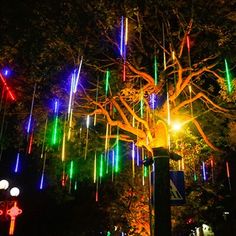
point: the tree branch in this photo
(181, 86)
(208, 142)
(198, 96)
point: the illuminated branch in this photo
(180, 78)
(204, 61)
(126, 127)
(122, 137)
(142, 74)
(201, 132)
(123, 116)
(182, 86)
(215, 74)
(208, 142)
(137, 118)
(135, 131)
(149, 79)
(198, 96)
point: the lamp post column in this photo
(162, 221)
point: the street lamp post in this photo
(162, 220)
(161, 157)
(162, 211)
(8, 205)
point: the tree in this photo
(137, 105)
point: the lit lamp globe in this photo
(176, 126)
(4, 184)
(14, 192)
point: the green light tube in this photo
(95, 168)
(229, 82)
(155, 70)
(195, 177)
(101, 166)
(107, 82)
(55, 131)
(75, 186)
(117, 152)
(145, 171)
(54, 134)
(71, 169)
(113, 164)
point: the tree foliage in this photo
(46, 40)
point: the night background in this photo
(90, 89)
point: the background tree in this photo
(43, 48)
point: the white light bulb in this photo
(14, 192)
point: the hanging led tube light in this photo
(101, 167)
(10, 93)
(95, 168)
(43, 172)
(122, 36)
(123, 43)
(113, 164)
(77, 76)
(30, 143)
(44, 138)
(228, 175)
(55, 125)
(17, 163)
(229, 81)
(204, 171)
(71, 174)
(87, 133)
(107, 82)
(133, 159)
(117, 154)
(31, 111)
(95, 115)
(155, 70)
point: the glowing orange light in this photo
(212, 163)
(228, 175)
(30, 144)
(64, 179)
(188, 43)
(126, 31)
(124, 72)
(12, 226)
(13, 213)
(227, 169)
